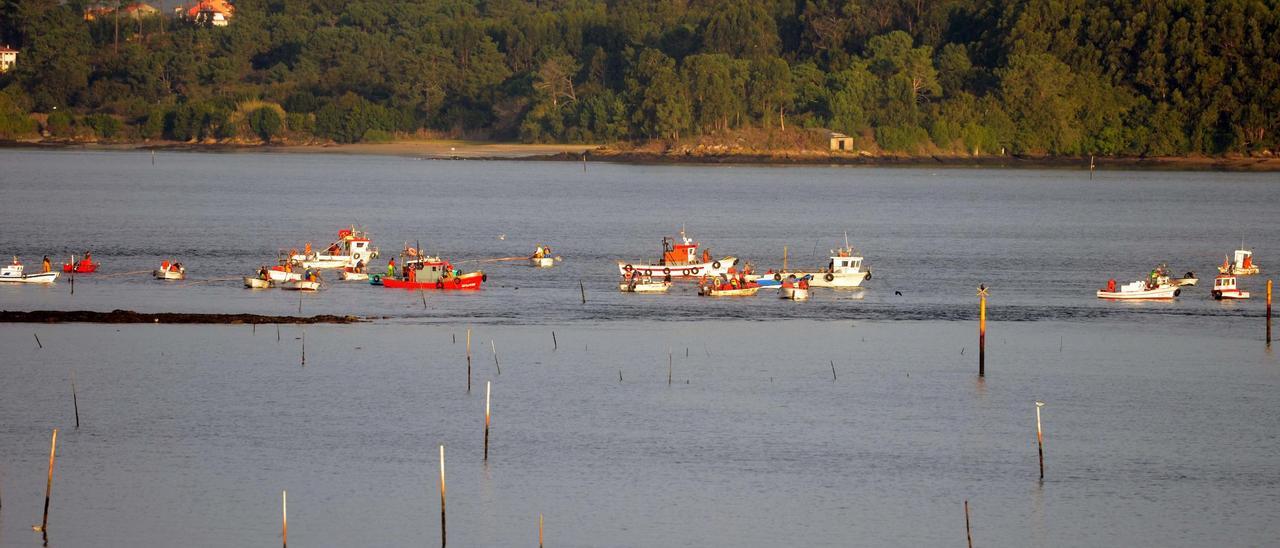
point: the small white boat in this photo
(795, 290)
(256, 283)
(738, 292)
(170, 271)
(14, 274)
(1242, 265)
(639, 284)
(1138, 290)
(300, 285)
(352, 276)
(1224, 287)
(279, 274)
(541, 257)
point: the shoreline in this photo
(490, 150)
(130, 317)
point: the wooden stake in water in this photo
(443, 537)
(554, 344)
(486, 420)
(277, 332)
(468, 360)
(583, 289)
(41, 345)
(304, 347)
(539, 530)
(982, 330)
(967, 531)
(1268, 313)
(495, 356)
(284, 517)
(75, 403)
(48, 486)
(668, 367)
(1091, 166)
(1040, 438)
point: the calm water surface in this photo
(1160, 425)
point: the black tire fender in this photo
(829, 277)
(777, 277)
(715, 264)
(628, 268)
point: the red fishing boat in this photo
(425, 272)
(84, 266)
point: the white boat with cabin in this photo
(1224, 287)
(679, 260)
(843, 271)
(1240, 265)
(1140, 289)
(15, 273)
(352, 248)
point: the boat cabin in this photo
(685, 252)
(1243, 259)
(845, 264)
(1224, 283)
(430, 269)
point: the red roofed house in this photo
(212, 12)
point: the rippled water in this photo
(1160, 425)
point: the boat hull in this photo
(465, 282)
(81, 268)
(282, 276)
(300, 285)
(1229, 295)
(652, 287)
(41, 278)
(1239, 271)
(542, 262)
(817, 279)
(256, 283)
(354, 276)
(688, 270)
(1165, 292)
(169, 274)
(794, 293)
(743, 292)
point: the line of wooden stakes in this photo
(983, 292)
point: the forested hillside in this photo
(1141, 77)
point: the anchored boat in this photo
(679, 260)
(1141, 289)
(351, 249)
(795, 289)
(422, 271)
(1224, 287)
(1241, 265)
(843, 271)
(542, 257)
(85, 266)
(728, 287)
(300, 285)
(642, 284)
(170, 271)
(14, 273)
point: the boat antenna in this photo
(846, 239)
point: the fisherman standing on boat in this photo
(391, 268)
(45, 265)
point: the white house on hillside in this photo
(8, 58)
